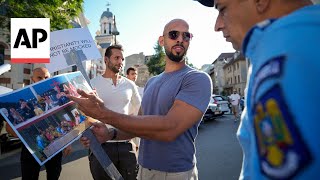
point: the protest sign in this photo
(69, 45)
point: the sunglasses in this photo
(186, 36)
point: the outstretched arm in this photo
(180, 117)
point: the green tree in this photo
(60, 12)
(157, 62)
(189, 64)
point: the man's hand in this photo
(101, 131)
(89, 103)
(67, 151)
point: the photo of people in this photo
(78, 116)
(43, 117)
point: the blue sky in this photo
(141, 22)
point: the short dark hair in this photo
(131, 69)
(108, 52)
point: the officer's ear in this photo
(262, 5)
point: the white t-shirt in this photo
(123, 98)
(117, 98)
(234, 99)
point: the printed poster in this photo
(45, 120)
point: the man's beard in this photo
(112, 67)
(176, 58)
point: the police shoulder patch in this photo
(281, 150)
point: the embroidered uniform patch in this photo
(282, 153)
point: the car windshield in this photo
(218, 98)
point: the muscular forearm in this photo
(149, 127)
(121, 135)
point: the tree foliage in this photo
(60, 12)
(157, 62)
(189, 64)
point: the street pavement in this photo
(218, 155)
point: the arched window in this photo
(104, 28)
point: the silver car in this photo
(221, 103)
(212, 111)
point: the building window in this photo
(235, 79)
(5, 80)
(26, 71)
(26, 81)
(238, 65)
(104, 28)
(238, 78)
(110, 32)
(74, 68)
(231, 80)
(1, 54)
(239, 91)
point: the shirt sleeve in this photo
(196, 90)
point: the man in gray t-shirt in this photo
(172, 107)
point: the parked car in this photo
(222, 103)
(217, 107)
(212, 111)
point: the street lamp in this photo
(115, 32)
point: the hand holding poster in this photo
(43, 117)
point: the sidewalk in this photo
(75, 166)
(77, 169)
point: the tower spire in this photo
(108, 4)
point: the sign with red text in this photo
(30, 40)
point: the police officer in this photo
(279, 132)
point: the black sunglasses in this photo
(186, 36)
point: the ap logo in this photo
(30, 40)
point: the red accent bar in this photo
(30, 60)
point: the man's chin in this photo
(236, 46)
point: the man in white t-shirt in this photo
(119, 94)
(235, 100)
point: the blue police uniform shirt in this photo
(280, 128)
(190, 86)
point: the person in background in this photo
(122, 96)
(132, 74)
(30, 168)
(171, 111)
(235, 100)
(278, 133)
